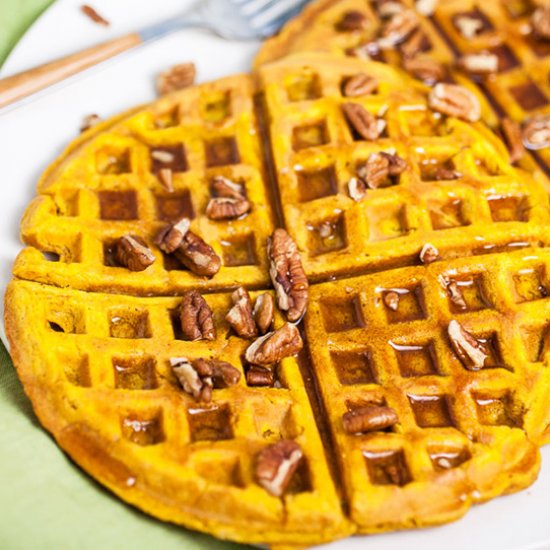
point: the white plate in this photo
(32, 135)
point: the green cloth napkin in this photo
(46, 502)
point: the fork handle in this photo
(28, 82)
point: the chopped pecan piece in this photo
(164, 157)
(165, 176)
(170, 238)
(364, 123)
(511, 133)
(89, 121)
(424, 68)
(468, 26)
(94, 15)
(379, 168)
(391, 300)
(276, 464)
(540, 21)
(365, 51)
(325, 230)
(133, 253)
(224, 187)
(446, 174)
(352, 21)
(479, 63)
(198, 256)
(472, 353)
(429, 254)
(176, 78)
(287, 275)
(426, 7)
(259, 376)
(199, 376)
(369, 418)
(536, 132)
(263, 312)
(388, 8)
(240, 315)
(415, 43)
(357, 189)
(225, 208)
(455, 294)
(359, 85)
(189, 249)
(274, 346)
(454, 100)
(197, 322)
(398, 29)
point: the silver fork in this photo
(230, 19)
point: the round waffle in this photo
(385, 419)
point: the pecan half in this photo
(536, 132)
(540, 21)
(94, 15)
(133, 253)
(479, 63)
(424, 68)
(263, 312)
(398, 29)
(240, 315)
(170, 238)
(287, 275)
(352, 21)
(165, 176)
(391, 300)
(357, 189)
(197, 322)
(511, 133)
(425, 7)
(379, 167)
(276, 464)
(359, 85)
(472, 353)
(198, 256)
(225, 208)
(274, 346)
(224, 187)
(176, 78)
(429, 254)
(199, 376)
(89, 121)
(369, 418)
(364, 123)
(260, 376)
(454, 100)
(468, 26)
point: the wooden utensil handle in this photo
(26, 83)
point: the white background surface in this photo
(33, 134)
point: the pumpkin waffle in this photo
(107, 184)
(365, 352)
(390, 225)
(517, 89)
(100, 381)
(355, 433)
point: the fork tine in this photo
(250, 8)
(277, 11)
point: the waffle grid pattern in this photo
(454, 215)
(108, 187)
